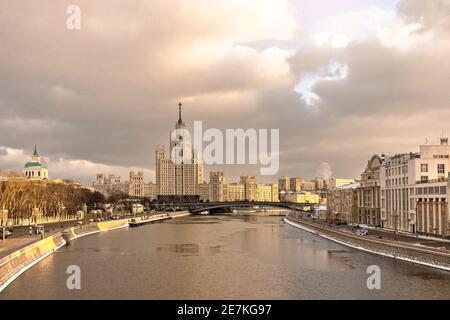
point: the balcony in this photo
(432, 181)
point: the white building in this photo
(36, 168)
(432, 211)
(398, 177)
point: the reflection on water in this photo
(222, 257)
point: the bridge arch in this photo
(200, 207)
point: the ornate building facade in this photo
(369, 203)
(180, 172)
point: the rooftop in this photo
(34, 165)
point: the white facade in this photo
(36, 168)
(398, 177)
(432, 212)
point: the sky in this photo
(341, 79)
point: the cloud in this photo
(60, 168)
(431, 14)
(3, 151)
(102, 98)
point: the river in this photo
(221, 257)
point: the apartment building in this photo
(109, 185)
(136, 186)
(342, 203)
(284, 184)
(369, 198)
(398, 178)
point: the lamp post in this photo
(395, 224)
(29, 214)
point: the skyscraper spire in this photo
(35, 151)
(179, 113)
(180, 123)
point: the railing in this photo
(432, 181)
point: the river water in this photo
(221, 257)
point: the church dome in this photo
(35, 165)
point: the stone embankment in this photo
(411, 252)
(16, 263)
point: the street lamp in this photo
(395, 226)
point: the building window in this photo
(441, 168)
(424, 167)
(424, 178)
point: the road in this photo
(385, 234)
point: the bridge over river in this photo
(198, 207)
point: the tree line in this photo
(21, 196)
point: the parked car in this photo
(362, 232)
(7, 232)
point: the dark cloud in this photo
(108, 93)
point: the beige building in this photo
(136, 186)
(150, 191)
(204, 192)
(284, 184)
(301, 198)
(267, 193)
(321, 184)
(296, 184)
(342, 203)
(235, 192)
(218, 190)
(398, 177)
(308, 186)
(181, 172)
(109, 185)
(250, 187)
(254, 191)
(369, 204)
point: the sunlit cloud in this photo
(102, 98)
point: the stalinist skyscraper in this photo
(181, 172)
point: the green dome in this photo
(34, 165)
